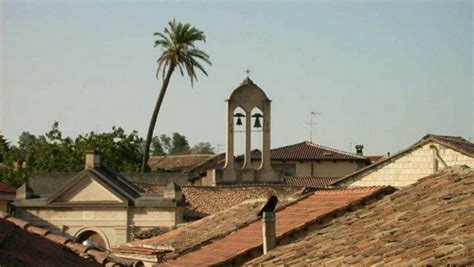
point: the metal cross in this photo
(248, 72)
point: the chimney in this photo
(359, 150)
(173, 192)
(92, 160)
(268, 224)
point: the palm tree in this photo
(179, 51)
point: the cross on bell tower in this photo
(248, 72)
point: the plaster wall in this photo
(117, 224)
(410, 167)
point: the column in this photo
(229, 156)
(248, 139)
(266, 164)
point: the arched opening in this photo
(93, 236)
(257, 135)
(240, 120)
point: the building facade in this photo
(426, 157)
(99, 205)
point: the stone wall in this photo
(410, 167)
(116, 224)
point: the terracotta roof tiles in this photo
(24, 244)
(428, 223)
(179, 163)
(290, 219)
(307, 151)
(316, 182)
(22, 247)
(205, 200)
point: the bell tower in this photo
(247, 97)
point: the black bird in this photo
(269, 206)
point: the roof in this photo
(178, 163)
(311, 181)
(430, 222)
(25, 245)
(127, 191)
(206, 200)
(291, 218)
(306, 151)
(375, 158)
(456, 143)
(198, 232)
(46, 183)
(7, 189)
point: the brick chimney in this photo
(92, 160)
(359, 150)
(268, 224)
(269, 232)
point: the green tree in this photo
(203, 148)
(166, 143)
(156, 147)
(4, 147)
(178, 43)
(180, 145)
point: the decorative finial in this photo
(248, 72)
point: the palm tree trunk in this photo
(154, 116)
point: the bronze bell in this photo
(239, 120)
(257, 123)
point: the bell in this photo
(239, 120)
(257, 123)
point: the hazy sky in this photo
(382, 74)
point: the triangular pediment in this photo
(87, 189)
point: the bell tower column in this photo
(229, 174)
(266, 163)
(248, 140)
(266, 172)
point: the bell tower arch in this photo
(248, 97)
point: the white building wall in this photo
(410, 167)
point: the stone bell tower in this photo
(247, 97)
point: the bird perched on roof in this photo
(269, 206)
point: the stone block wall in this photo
(410, 167)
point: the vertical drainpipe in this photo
(435, 160)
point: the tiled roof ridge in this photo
(98, 255)
(335, 150)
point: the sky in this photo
(381, 73)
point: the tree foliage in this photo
(203, 148)
(53, 153)
(176, 144)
